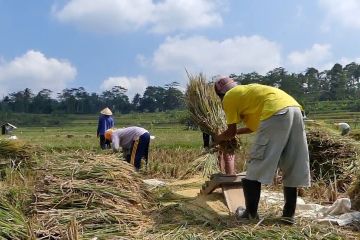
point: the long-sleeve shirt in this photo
(105, 122)
(343, 126)
(124, 137)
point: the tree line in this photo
(79, 101)
(312, 85)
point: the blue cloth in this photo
(140, 150)
(105, 122)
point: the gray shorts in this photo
(281, 143)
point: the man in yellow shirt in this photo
(280, 141)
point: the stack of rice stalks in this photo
(101, 194)
(333, 159)
(14, 153)
(15, 156)
(206, 112)
(354, 194)
(170, 163)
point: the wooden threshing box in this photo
(231, 188)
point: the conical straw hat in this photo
(106, 111)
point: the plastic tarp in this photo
(339, 212)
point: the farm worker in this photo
(133, 140)
(280, 141)
(105, 122)
(344, 128)
(226, 160)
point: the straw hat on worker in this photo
(223, 84)
(106, 111)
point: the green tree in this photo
(116, 99)
(135, 103)
(173, 98)
(43, 103)
(153, 99)
(337, 83)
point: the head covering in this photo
(223, 84)
(108, 133)
(106, 111)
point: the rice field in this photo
(59, 185)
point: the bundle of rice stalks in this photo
(206, 163)
(13, 223)
(14, 153)
(333, 160)
(105, 196)
(206, 110)
(354, 193)
(170, 163)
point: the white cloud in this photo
(232, 55)
(132, 84)
(345, 12)
(128, 15)
(35, 71)
(317, 56)
(184, 15)
(345, 61)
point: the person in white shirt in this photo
(133, 140)
(344, 128)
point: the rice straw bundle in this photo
(206, 163)
(15, 153)
(333, 159)
(354, 193)
(206, 110)
(102, 193)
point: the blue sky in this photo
(97, 44)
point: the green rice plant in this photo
(13, 223)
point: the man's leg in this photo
(294, 164)
(229, 160)
(345, 131)
(102, 141)
(268, 146)
(252, 191)
(140, 149)
(290, 197)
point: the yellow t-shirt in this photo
(253, 103)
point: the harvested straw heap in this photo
(90, 196)
(15, 153)
(206, 112)
(333, 159)
(354, 194)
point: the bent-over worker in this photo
(280, 141)
(344, 128)
(133, 140)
